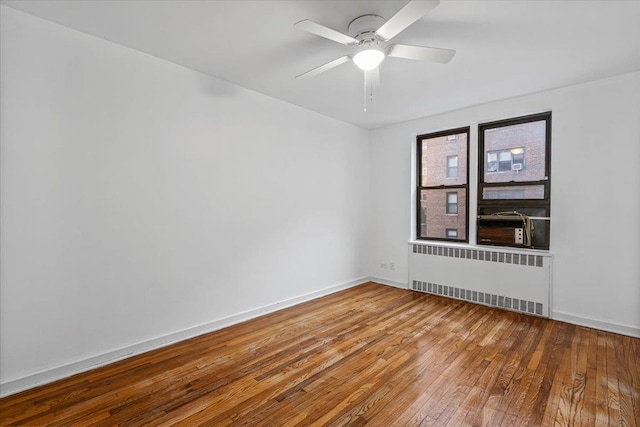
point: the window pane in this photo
(439, 156)
(535, 192)
(452, 203)
(504, 156)
(504, 166)
(452, 167)
(503, 194)
(434, 220)
(515, 153)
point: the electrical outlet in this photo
(519, 236)
(392, 265)
(383, 265)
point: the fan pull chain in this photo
(365, 91)
(371, 92)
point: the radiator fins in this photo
(492, 300)
(480, 255)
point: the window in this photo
(505, 160)
(514, 171)
(452, 203)
(452, 166)
(442, 187)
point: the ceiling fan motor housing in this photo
(364, 27)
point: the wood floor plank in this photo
(602, 389)
(622, 350)
(589, 399)
(369, 355)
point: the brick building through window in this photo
(443, 170)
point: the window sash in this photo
(432, 210)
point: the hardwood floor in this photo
(368, 355)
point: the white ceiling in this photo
(504, 48)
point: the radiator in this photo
(509, 279)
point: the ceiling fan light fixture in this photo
(368, 59)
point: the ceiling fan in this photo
(370, 34)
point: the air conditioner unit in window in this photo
(508, 228)
(516, 167)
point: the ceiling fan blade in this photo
(325, 67)
(420, 53)
(406, 16)
(326, 32)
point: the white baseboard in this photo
(596, 324)
(389, 282)
(54, 374)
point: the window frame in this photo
(419, 187)
(483, 205)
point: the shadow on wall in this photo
(216, 87)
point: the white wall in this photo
(595, 197)
(141, 198)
